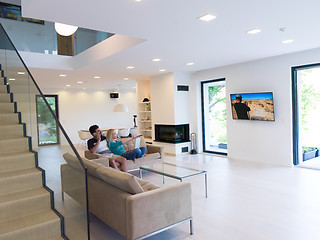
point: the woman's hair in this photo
(109, 135)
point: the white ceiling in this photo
(173, 33)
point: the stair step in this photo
(11, 131)
(20, 204)
(20, 180)
(9, 118)
(3, 88)
(16, 161)
(6, 107)
(14, 145)
(23, 89)
(4, 97)
(40, 226)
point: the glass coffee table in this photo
(174, 171)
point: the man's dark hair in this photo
(93, 129)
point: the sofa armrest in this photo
(73, 182)
(154, 149)
(89, 155)
(156, 209)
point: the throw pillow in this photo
(122, 180)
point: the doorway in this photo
(306, 114)
(48, 131)
(214, 117)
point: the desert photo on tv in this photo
(252, 106)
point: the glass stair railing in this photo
(31, 194)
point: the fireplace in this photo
(172, 133)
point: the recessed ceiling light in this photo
(254, 31)
(207, 17)
(190, 64)
(130, 67)
(137, 0)
(12, 79)
(68, 85)
(96, 77)
(162, 70)
(125, 78)
(287, 41)
(62, 75)
(79, 82)
(21, 73)
(156, 60)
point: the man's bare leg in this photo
(123, 163)
(112, 163)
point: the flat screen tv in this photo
(252, 106)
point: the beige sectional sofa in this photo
(154, 154)
(133, 207)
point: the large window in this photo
(214, 118)
(48, 133)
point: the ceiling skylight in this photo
(190, 64)
(156, 60)
(254, 31)
(130, 67)
(62, 75)
(162, 70)
(21, 73)
(97, 77)
(12, 79)
(207, 17)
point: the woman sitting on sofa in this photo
(98, 144)
(116, 146)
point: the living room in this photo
(247, 190)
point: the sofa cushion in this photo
(152, 156)
(121, 180)
(146, 185)
(72, 161)
(130, 145)
(92, 167)
(102, 161)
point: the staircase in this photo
(25, 205)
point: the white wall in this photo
(181, 98)
(267, 142)
(162, 99)
(81, 109)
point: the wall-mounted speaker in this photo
(114, 95)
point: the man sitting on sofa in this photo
(98, 144)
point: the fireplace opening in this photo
(172, 133)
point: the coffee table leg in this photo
(206, 184)
(140, 173)
(163, 180)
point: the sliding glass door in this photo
(214, 118)
(306, 114)
(48, 132)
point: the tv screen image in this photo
(252, 106)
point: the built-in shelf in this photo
(145, 122)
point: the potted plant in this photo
(309, 153)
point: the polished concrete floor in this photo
(246, 201)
